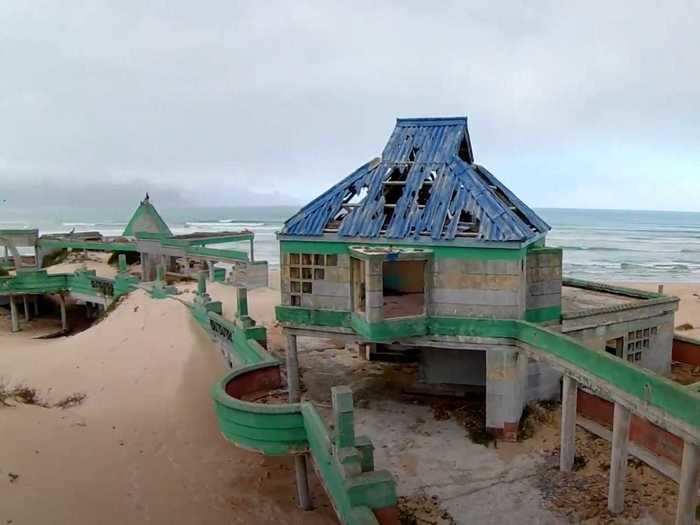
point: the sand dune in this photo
(144, 445)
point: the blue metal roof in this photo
(425, 185)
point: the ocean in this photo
(607, 245)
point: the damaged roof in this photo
(424, 186)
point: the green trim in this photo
(445, 252)
(307, 316)
(319, 247)
(544, 314)
(58, 244)
(389, 329)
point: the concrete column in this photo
(36, 306)
(303, 495)
(14, 314)
(211, 271)
(506, 372)
(241, 303)
(64, 318)
(122, 263)
(201, 283)
(26, 307)
(618, 461)
(252, 250)
(186, 269)
(688, 487)
(144, 267)
(293, 370)
(568, 424)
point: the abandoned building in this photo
(404, 253)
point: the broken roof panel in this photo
(425, 185)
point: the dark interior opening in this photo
(615, 346)
(404, 288)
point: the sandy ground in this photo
(689, 309)
(144, 447)
(93, 261)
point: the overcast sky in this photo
(592, 106)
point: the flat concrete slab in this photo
(577, 299)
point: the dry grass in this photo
(26, 395)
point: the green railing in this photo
(647, 387)
(345, 463)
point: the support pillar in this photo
(122, 263)
(211, 271)
(568, 424)
(618, 461)
(26, 307)
(252, 250)
(14, 314)
(303, 495)
(64, 318)
(36, 306)
(688, 486)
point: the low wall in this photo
(686, 350)
(643, 433)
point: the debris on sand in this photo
(423, 510)
(71, 400)
(13, 477)
(582, 495)
(536, 414)
(685, 326)
(22, 394)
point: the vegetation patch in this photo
(423, 510)
(534, 416)
(71, 400)
(26, 395)
(53, 258)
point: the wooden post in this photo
(26, 307)
(618, 461)
(303, 495)
(568, 424)
(688, 486)
(64, 319)
(13, 314)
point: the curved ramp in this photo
(344, 462)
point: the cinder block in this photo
(543, 301)
(374, 299)
(545, 288)
(461, 310)
(477, 281)
(476, 297)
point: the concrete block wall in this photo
(543, 382)
(476, 288)
(506, 386)
(330, 293)
(611, 325)
(544, 275)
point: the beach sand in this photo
(689, 309)
(144, 446)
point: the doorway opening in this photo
(404, 288)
